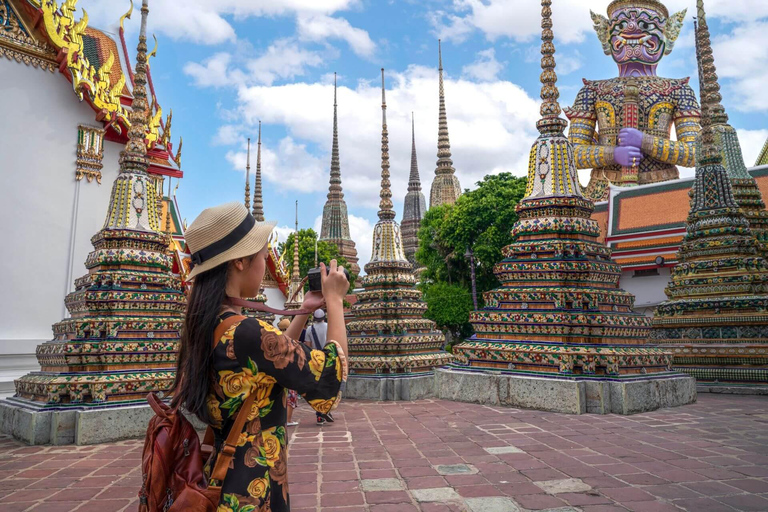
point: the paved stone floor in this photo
(443, 456)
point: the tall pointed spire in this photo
(389, 334)
(258, 201)
(248, 176)
(132, 203)
(445, 186)
(385, 204)
(335, 224)
(745, 190)
(414, 205)
(715, 319)
(295, 288)
(295, 271)
(414, 182)
(551, 166)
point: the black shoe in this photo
(320, 420)
(328, 418)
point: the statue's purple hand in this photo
(630, 137)
(627, 156)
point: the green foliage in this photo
(449, 306)
(482, 219)
(326, 251)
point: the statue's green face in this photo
(637, 36)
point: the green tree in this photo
(481, 219)
(449, 306)
(326, 251)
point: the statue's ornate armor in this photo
(596, 118)
(637, 106)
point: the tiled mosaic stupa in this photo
(122, 337)
(559, 312)
(389, 334)
(715, 320)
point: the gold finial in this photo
(134, 157)
(177, 158)
(126, 15)
(258, 201)
(385, 204)
(550, 122)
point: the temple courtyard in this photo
(435, 455)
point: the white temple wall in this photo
(42, 253)
(647, 289)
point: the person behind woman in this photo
(215, 377)
(315, 337)
(293, 396)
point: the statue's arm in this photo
(582, 133)
(683, 150)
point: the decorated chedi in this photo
(559, 313)
(620, 127)
(258, 214)
(388, 334)
(715, 320)
(122, 337)
(414, 205)
(445, 187)
(335, 223)
(745, 189)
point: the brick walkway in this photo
(441, 456)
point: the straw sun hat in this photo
(224, 233)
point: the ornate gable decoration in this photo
(17, 44)
(66, 35)
(90, 152)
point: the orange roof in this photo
(97, 46)
(649, 242)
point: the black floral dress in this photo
(254, 357)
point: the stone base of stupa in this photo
(726, 388)
(391, 387)
(84, 424)
(570, 394)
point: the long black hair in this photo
(194, 371)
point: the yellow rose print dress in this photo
(254, 357)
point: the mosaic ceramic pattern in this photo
(575, 303)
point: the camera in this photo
(315, 281)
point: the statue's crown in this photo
(654, 5)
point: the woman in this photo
(214, 377)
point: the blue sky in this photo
(224, 64)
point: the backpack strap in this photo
(230, 445)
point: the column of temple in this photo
(122, 337)
(559, 315)
(715, 320)
(414, 205)
(335, 225)
(388, 334)
(445, 187)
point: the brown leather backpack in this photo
(173, 458)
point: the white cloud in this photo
(205, 21)
(752, 142)
(491, 127)
(284, 59)
(485, 68)
(520, 19)
(283, 232)
(742, 56)
(318, 28)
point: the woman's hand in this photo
(335, 284)
(313, 301)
